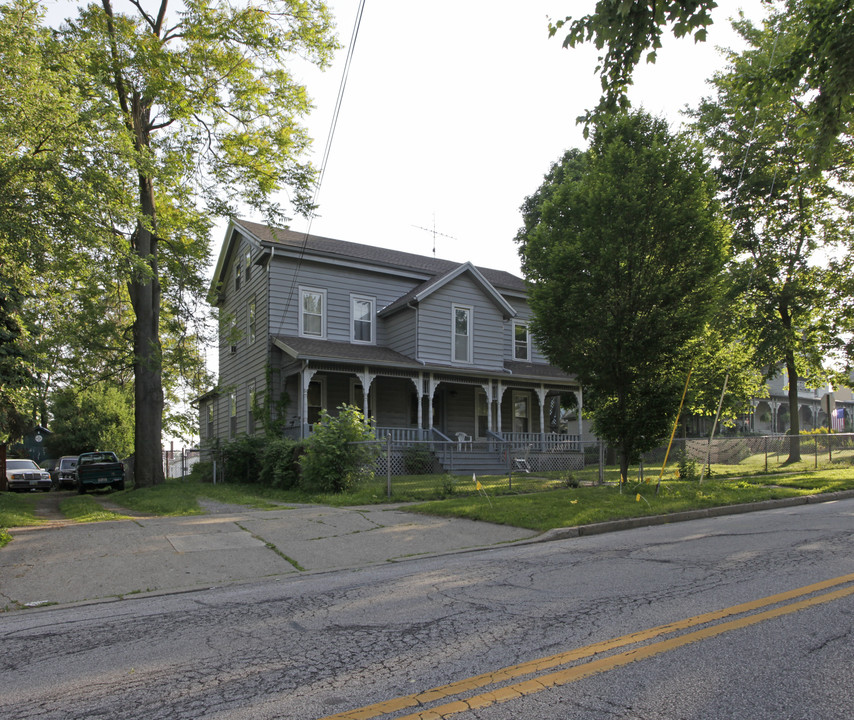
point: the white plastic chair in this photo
(521, 463)
(462, 438)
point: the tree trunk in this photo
(794, 414)
(148, 385)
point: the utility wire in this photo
(326, 151)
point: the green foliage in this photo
(201, 472)
(627, 30)
(622, 247)
(280, 463)
(98, 417)
(242, 459)
(445, 486)
(418, 460)
(687, 467)
(333, 461)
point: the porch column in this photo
(578, 399)
(432, 385)
(487, 388)
(307, 375)
(498, 401)
(419, 392)
(541, 394)
(367, 379)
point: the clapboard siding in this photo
(524, 314)
(399, 332)
(435, 325)
(340, 283)
(247, 364)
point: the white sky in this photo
(454, 111)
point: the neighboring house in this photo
(771, 415)
(429, 349)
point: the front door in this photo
(481, 413)
(521, 411)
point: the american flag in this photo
(837, 418)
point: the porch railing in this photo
(544, 442)
(399, 434)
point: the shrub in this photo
(417, 460)
(279, 463)
(242, 459)
(333, 462)
(687, 468)
(202, 471)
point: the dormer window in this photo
(312, 320)
(461, 348)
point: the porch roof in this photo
(310, 349)
(536, 370)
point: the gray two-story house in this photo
(429, 349)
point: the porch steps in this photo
(466, 462)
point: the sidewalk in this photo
(67, 563)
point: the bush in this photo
(280, 463)
(201, 471)
(418, 460)
(332, 461)
(242, 459)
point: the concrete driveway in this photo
(63, 562)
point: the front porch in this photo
(472, 415)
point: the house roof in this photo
(301, 348)
(535, 370)
(430, 267)
(437, 281)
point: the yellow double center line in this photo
(787, 603)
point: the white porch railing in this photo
(545, 442)
(399, 434)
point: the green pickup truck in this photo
(97, 470)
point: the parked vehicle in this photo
(66, 478)
(99, 469)
(52, 466)
(25, 475)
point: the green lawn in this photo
(538, 502)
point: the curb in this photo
(651, 520)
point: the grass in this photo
(538, 502)
(85, 509)
(591, 504)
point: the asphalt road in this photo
(565, 629)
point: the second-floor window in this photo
(462, 335)
(312, 312)
(252, 321)
(247, 259)
(237, 275)
(521, 342)
(363, 319)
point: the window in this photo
(312, 319)
(315, 398)
(521, 342)
(521, 411)
(237, 275)
(210, 414)
(252, 320)
(232, 334)
(363, 319)
(252, 399)
(232, 414)
(247, 259)
(462, 334)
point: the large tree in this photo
(197, 116)
(622, 248)
(819, 56)
(790, 218)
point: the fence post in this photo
(766, 453)
(815, 450)
(214, 469)
(388, 463)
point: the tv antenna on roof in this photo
(435, 234)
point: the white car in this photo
(26, 475)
